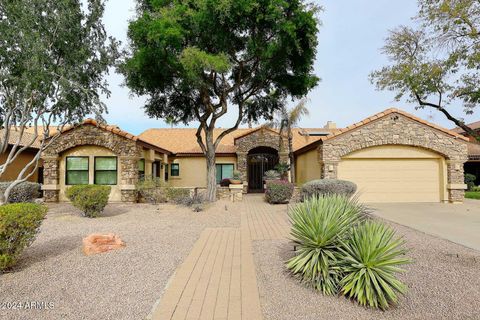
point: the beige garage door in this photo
(394, 180)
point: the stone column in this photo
(455, 181)
(242, 165)
(128, 178)
(329, 170)
(51, 187)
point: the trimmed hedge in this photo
(23, 192)
(19, 224)
(328, 187)
(90, 199)
(278, 191)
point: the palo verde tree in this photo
(53, 55)
(436, 64)
(195, 59)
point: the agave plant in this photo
(370, 259)
(318, 226)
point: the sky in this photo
(350, 39)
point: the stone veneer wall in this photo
(396, 129)
(259, 138)
(127, 150)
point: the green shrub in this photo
(177, 195)
(19, 224)
(470, 180)
(271, 175)
(369, 260)
(152, 190)
(319, 224)
(23, 192)
(328, 187)
(279, 191)
(90, 199)
(340, 252)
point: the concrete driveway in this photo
(459, 223)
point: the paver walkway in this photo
(217, 280)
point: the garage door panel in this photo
(393, 180)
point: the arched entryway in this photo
(260, 160)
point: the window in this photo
(77, 170)
(175, 169)
(224, 171)
(156, 166)
(141, 168)
(106, 170)
(166, 172)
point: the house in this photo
(472, 166)
(392, 156)
(23, 158)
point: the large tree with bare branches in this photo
(436, 63)
(197, 58)
(53, 55)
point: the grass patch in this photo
(472, 195)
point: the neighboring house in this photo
(392, 157)
(23, 158)
(473, 164)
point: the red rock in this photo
(98, 243)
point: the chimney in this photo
(330, 125)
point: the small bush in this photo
(319, 224)
(236, 175)
(370, 259)
(225, 182)
(19, 224)
(177, 194)
(328, 187)
(271, 175)
(470, 180)
(152, 190)
(278, 191)
(23, 192)
(90, 199)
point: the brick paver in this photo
(217, 280)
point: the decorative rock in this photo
(99, 243)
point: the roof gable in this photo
(388, 112)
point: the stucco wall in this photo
(307, 167)
(14, 169)
(91, 152)
(193, 170)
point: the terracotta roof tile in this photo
(25, 140)
(184, 140)
(473, 125)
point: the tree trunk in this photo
(211, 195)
(291, 156)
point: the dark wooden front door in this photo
(258, 163)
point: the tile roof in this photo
(473, 125)
(184, 140)
(473, 149)
(25, 139)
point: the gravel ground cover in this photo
(443, 283)
(122, 284)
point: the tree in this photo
(437, 63)
(196, 58)
(53, 55)
(287, 119)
